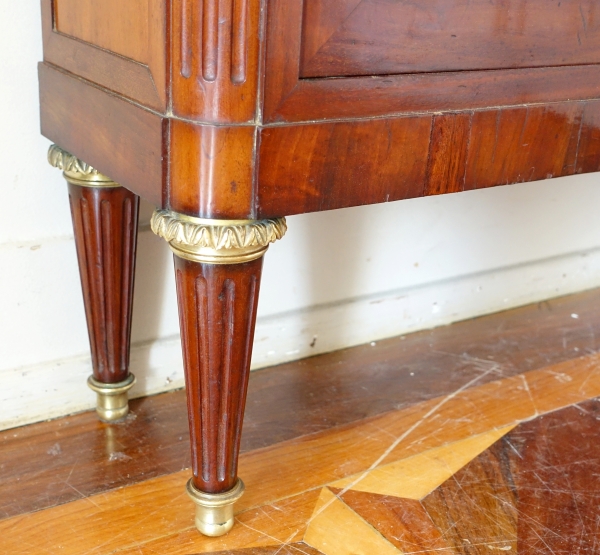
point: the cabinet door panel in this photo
(378, 37)
(332, 59)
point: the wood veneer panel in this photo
(142, 76)
(284, 27)
(371, 37)
(321, 20)
(118, 138)
(525, 144)
(334, 165)
(290, 98)
(325, 166)
(588, 155)
(44, 465)
(323, 99)
(313, 462)
(121, 27)
(448, 147)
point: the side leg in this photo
(218, 269)
(105, 217)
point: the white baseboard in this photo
(53, 389)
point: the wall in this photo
(338, 279)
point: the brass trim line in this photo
(214, 511)
(76, 171)
(112, 401)
(217, 241)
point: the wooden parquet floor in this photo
(479, 437)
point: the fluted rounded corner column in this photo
(105, 218)
(218, 266)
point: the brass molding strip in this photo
(76, 171)
(217, 241)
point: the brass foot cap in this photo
(214, 511)
(112, 403)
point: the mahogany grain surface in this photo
(105, 222)
(228, 172)
(217, 171)
(219, 183)
(125, 143)
(186, 108)
(217, 314)
(56, 462)
(322, 166)
(121, 27)
(370, 37)
(121, 46)
(216, 51)
(296, 173)
(291, 98)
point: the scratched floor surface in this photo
(480, 437)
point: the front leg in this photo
(218, 267)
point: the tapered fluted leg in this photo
(217, 315)
(218, 268)
(105, 217)
(217, 306)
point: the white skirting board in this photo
(52, 389)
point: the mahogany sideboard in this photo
(229, 115)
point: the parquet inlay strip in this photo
(403, 522)
(154, 516)
(417, 476)
(337, 529)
